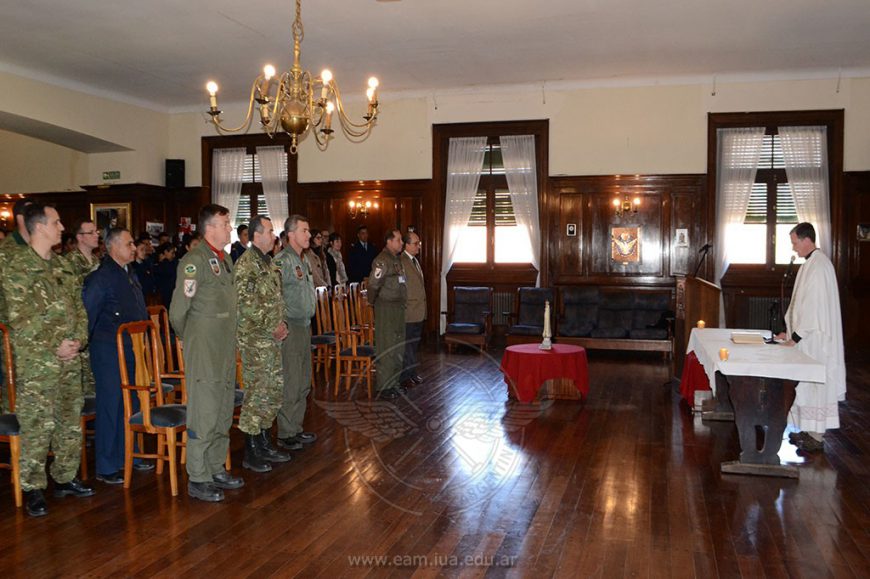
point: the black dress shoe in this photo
(306, 437)
(224, 480)
(253, 459)
(34, 502)
(205, 491)
(389, 394)
(143, 466)
(290, 443)
(75, 488)
(116, 478)
(417, 379)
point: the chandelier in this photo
(360, 208)
(300, 102)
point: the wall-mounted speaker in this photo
(175, 173)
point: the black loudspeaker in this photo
(175, 173)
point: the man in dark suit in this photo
(415, 309)
(239, 247)
(361, 255)
(112, 296)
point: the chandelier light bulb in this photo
(329, 107)
(637, 201)
(212, 88)
(268, 71)
(616, 203)
(370, 94)
(368, 204)
(326, 76)
(352, 204)
(373, 82)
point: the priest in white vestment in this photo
(814, 326)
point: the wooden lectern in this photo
(697, 299)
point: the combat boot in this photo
(254, 459)
(269, 452)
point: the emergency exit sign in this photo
(111, 175)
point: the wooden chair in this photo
(172, 377)
(324, 340)
(366, 316)
(353, 357)
(470, 319)
(88, 417)
(9, 430)
(527, 319)
(166, 421)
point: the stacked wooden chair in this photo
(353, 356)
(9, 431)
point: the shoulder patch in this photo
(190, 270)
(379, 271)
(189, 288)
(215, 266)
(299, 273)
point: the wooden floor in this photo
(455, 481)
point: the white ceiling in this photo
(161, 52)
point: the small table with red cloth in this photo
(694, 379)
(526, 367)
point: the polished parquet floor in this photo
(456, 481)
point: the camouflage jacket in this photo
(8, 247)
(258, 296)
(44, 302)
(80, 266)
(296, 279)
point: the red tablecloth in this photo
(693, 379)
(526, 368)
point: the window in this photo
(252, 202)
(492, 235)
(763, 237)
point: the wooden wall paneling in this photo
(856, 293)
(567, 265)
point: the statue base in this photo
(546, 344)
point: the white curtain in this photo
(518, 153)
(737, 154)
(228, 167)
(464, 165)
(273, 174)
(805, 152)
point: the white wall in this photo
(593, 131)
(31, 165)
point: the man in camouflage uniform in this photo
(9, 246)
(203, 313)
(388, 293)
(261, 329)
(83, 262)
(49, 328)
(299, 304)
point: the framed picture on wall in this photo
(681, 238)
(625, 244)
(108, 215)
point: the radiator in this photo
(502, 302)
(758, 313)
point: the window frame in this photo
(769, 272)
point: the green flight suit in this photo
(299, 304)
(260, 311)
(388, 292)
(45, 308)
(203, 313)
(81, 267)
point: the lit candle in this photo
(325, 78)
(702, 324)
(723, 354)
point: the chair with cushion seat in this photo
(528, 315)
(470, 321)
(9, 431)
(324, 340)
(579, 311)
(353, 357)
(172, 377)
(167, 421)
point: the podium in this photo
(696, 299)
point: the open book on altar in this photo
(747, 337)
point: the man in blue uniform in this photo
(112, 296)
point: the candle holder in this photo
(723, 354)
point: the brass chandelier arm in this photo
(248, 116)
